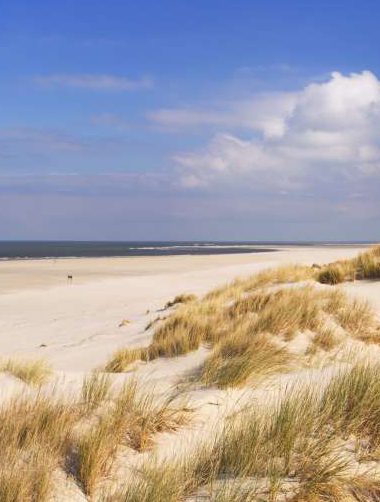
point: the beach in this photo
(129, 406)
(76, 325)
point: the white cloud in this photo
(325, 131)
(265, 112)
(94, 82)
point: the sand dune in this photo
(77, 327)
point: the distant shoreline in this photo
(51, 250)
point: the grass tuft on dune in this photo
(96, 388)
(33, 372)
(248, 324)
(133, 420)
(365, 266)
(184, 298)
(298, 448)
(42, 433)
(241, 357)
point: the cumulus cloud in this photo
(94, 82)
(322, 133)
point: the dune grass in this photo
(133, 420)
(365, 266)
(239, 358)
(27, 476)
(96, 388)
(303, 440)
(326, 339)
(285, 274)
(95, 451)
(242, 328)
(122, 359)
(34, 434)
(41, 433)
(167, 481)
(306, 437)
(183, 298)
(33, 372)
(354, 315)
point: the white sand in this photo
(76, 326)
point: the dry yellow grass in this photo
(352, 314)
(132, 420)
(365, 266)
(241, 327)
(301, 441)
(96, 388)
(95, 450)
(27, 475)
(122, 359)
(325, 339)
(34, 372)
(34, 434)
(241, 357)
(40, 433)
(184, 298)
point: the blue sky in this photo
(189, 120)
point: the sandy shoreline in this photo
(76, 326)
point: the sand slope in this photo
(76, 326)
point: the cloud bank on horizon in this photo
(321, 132)
(317, 145)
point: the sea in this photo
(22, 250)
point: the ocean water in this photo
(70, 249)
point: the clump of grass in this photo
(150, 417)
(230, 328)
(122, 359)
(163, 483)
(133, 420)
(229, 320)
(290, 310)
(269, 277)
(43, 419)
(352, 314)
(146, 415)
(351, 402)
(32, 372)
(27, 475)
(183, 298)
(34, 434)
(241, 357)
(365, 266)
(168, 481)
(96, 388)
(332, 274)
(40, 433)
(95, 451)
(153, 322)
(326, 338)
(301, 439)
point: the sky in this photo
(190, 120)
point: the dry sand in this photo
(77, 326)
